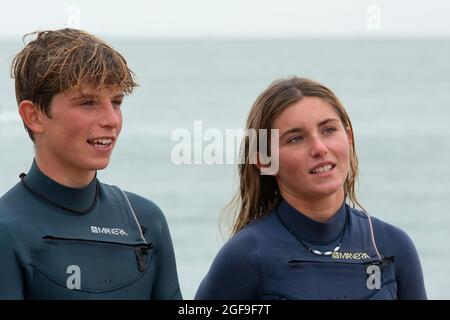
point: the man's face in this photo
(82, 130)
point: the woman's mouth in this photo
(323, 170)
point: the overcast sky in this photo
(215, 18)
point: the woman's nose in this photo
(317, 147)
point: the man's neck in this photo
(67, 176)
(318, 209)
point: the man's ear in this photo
(31, 116)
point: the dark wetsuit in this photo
(266, 260)
(119, 249)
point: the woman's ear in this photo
(349, 136)
(31, 116)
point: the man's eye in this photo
(87, 103)
(117, 103)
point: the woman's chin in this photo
(326, 191)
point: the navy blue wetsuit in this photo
(119, 249)
(265, 260)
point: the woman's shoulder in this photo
(388, 235)
(249, 237)
(257, 228)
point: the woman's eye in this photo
(295, 139)
(329, 130)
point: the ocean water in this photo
(396, 91)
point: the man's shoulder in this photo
(147, 211)
(11, 201)
(141, 203)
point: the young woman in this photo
(297, 233)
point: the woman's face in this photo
(314, 150)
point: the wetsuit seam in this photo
(125, 216)
(157, 251)
(20, 256)
(16, 235)
(127, 284)
(260, 273)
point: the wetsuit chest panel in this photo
(315, 278)
(103, 254)
(292, 272)
(71, 259)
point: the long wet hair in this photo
(259, 194)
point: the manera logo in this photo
(350, 255)
(112, 231)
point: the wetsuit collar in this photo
(74, 198)
(310, 230)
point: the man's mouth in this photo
(323, 169)
(103, 142)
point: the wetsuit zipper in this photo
(140, 249)
(382, 264)
(386, 261)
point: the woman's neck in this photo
(319, 209)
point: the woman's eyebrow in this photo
(299, 130)
(291, 130)
(324, 122)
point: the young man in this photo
(63, 234)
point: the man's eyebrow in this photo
(84, 96)
(299, 130)
(81, 95)
(119, 96)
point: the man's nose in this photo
(109, 117)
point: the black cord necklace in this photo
(317, 252)
(97, 191)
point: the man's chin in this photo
(99, 165)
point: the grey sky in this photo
(214, 18)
